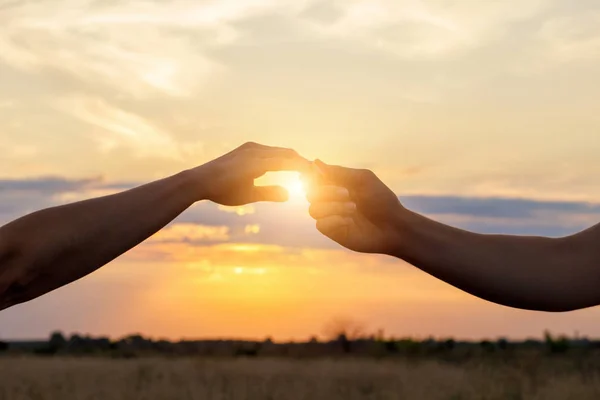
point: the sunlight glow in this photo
(295, 188)
(289, 180)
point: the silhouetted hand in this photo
(229, 179)
(354, 208)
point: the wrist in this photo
(404, 224)
(195, 183)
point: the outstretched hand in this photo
(229, 179)
(354, 208)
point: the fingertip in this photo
(342, 193)
(304, 166)
(277, 194)
(310, 194)
(319, 167)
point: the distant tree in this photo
(344, 342)
(502, 344)
(487, 346)
(558, 345)
(57, 341)
(449, 344)
(135, 340)
(391, 346)
(75, 338)
(3, 346)
(247, 350)
(351, 329)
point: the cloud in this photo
(494, 207)
(119, 128)
(21, 196)
(252, 229)
(88, 43)
(508, 215)
(241, 210)
(412, 29)
(46, 185)
(572, 37)
(191, 234)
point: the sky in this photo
(480, 114)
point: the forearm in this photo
(51, 248)
(523, 272)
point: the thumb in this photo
(336, 174)
(269, 193)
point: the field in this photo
(286, 379)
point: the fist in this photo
(354, 208)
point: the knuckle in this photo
(365, 174)
(246, 152)
(320, 224)
(339, 193)
(292, 152)
(313, 211)
(249, 145)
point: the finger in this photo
(264, 165)
(322, 210)
(262, 151)
(258, 146)
(339, 175)
(335, 227)
(269, 193)
(252, 146)
(317, 193)
(272, 152)
(314, 177)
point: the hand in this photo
(229, 179)
(354, 208)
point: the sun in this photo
(289, 180)
(295, 188)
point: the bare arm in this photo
(53, 247)
(536, 273)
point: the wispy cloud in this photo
(191, 233)
(124, 46)
(572, 37)
(424, 29)
(119, 128)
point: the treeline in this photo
(374, 346)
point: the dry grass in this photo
(274, 379)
